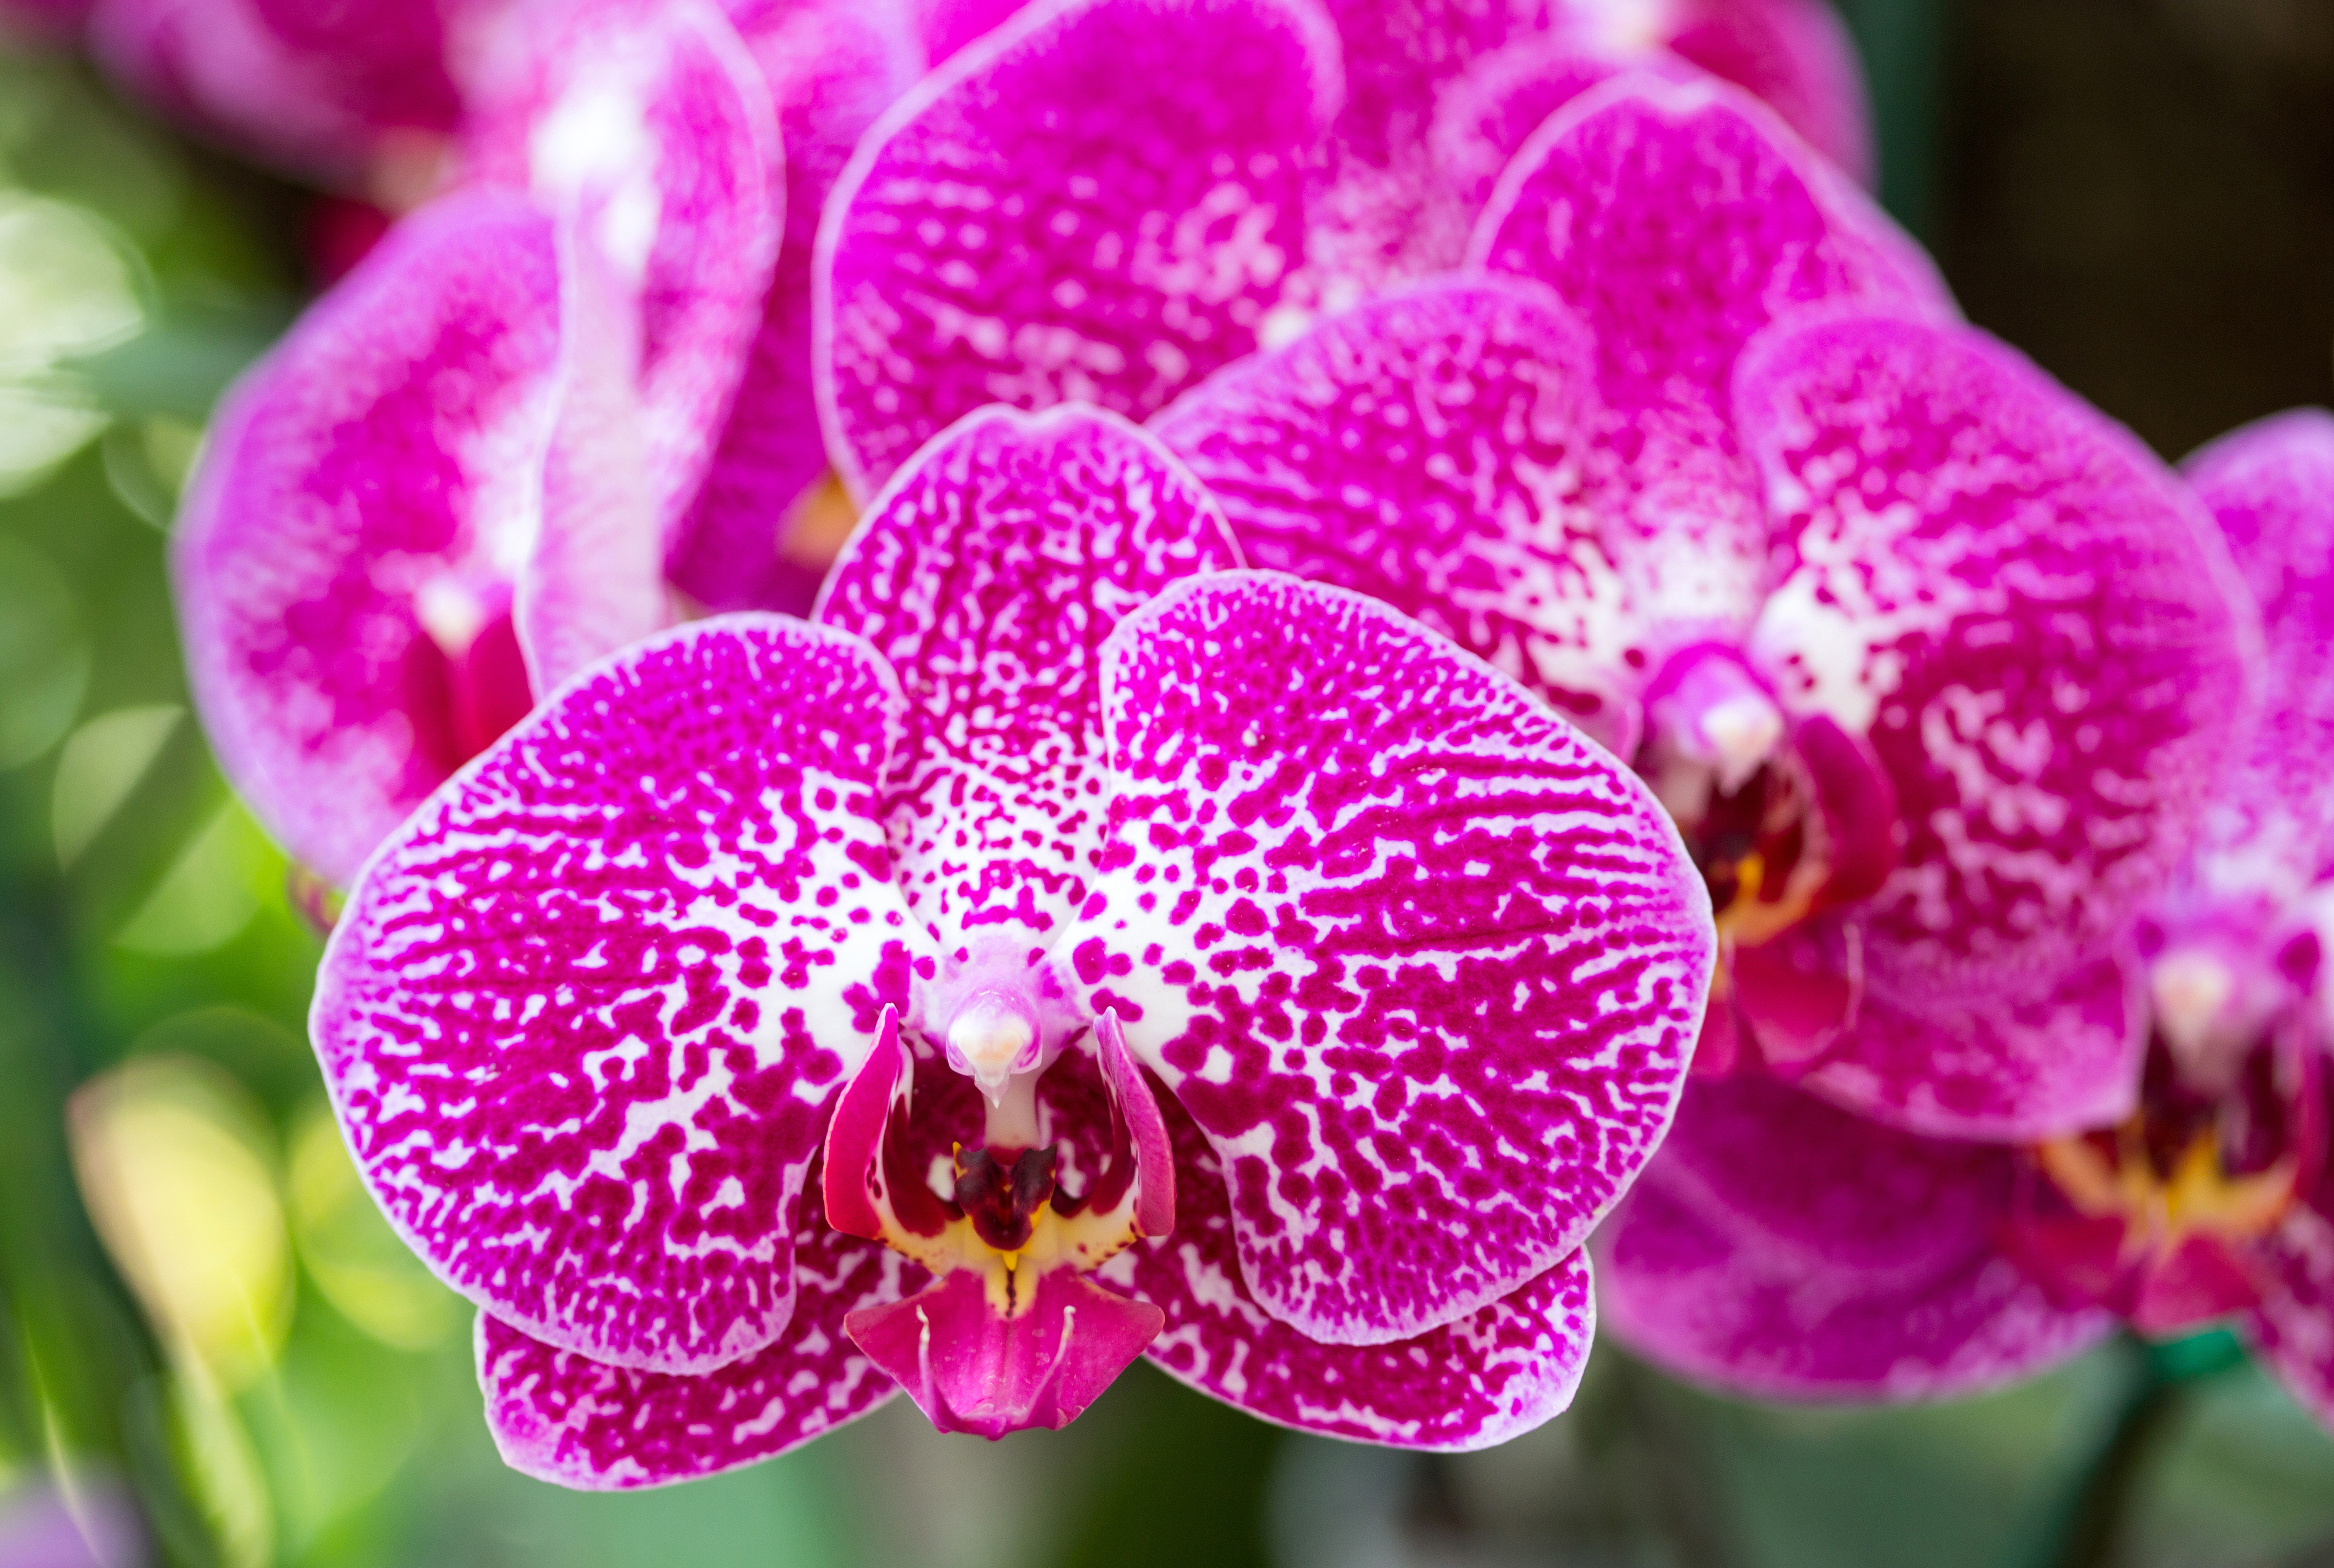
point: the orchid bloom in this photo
(458, 479)
(1932, 665)
(1107, 201)
(1065, 946)
(1782, 1248)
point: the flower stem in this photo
(2164, 1381)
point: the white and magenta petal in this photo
(833, 66)
(585, 1012)
(990, 574)
(2005, 1065)
(649, 124)
(1424, 965)
(2030, 619)
(1100, 202)
(594, 581)
(1784, 1249)
(346, 552)
(2271, 487)
(1677, 220)
(1492, 1375)
(566, 1419)
(1431, 449)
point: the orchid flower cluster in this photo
(1451, 673)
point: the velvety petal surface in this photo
(1431, 450)
(366, 498)
(2271, 487)
(1784, 1249)
(1099, 203)
(1494, 1374)
(1678, 220)
(2004, 1065)
(832, 66)
(566, 1419)
(583, 1014)
(990, 574)
(1423, 964)
(2030, 620)
(649, 123)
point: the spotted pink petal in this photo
(2271, 487)
(563, 1417)
(329, 91)
(1101, 202)
(1678, 220)
(1783, 1249)
(1423, 964)
(1486, 114)
(1492, 1375)
(832, 66)
(1796, 57)
(2002, 1064)
(650, 122)
(594, 581)
(990, 574)
(363, 507)
(1431, 449)
(585, 1012)
(2030, 618)
(2294, 1324)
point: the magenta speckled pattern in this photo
(832, 66)
(2271, 487)
(381, 458)
(2007, 1065)
(1100, 202)
(2032, 621)
(585, 1011)
(1678, 220)
(649, 123)
(562, 1418)
(1425, 965)
(990, 574)
(1489, 1376)
(1784, 1249)
(1432, 449)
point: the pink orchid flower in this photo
(1933, 666)
(1781, 1248)
(1107, 201)
(1067, 946)
(459, 477)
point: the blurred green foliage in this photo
(210, 1339)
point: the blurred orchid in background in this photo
(1932, 665)
(1768, 1249)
